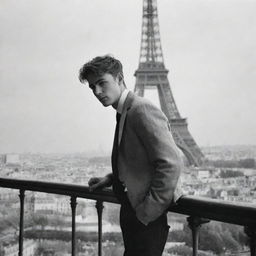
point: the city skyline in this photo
(208, 46)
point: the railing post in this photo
(251, 233)
(21, 196)
(99, 207)
(73, 204)
(195, 223)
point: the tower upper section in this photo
(150, 50)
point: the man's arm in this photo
(100, 182)
(153, 129)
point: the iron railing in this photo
(200, 210)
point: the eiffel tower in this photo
(152, 74)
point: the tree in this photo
(229, 241)
(214, 236)
(41, 221)
(210, 240)
(247, 163)
(230, 174)
(56, 221)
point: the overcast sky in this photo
(209, 47)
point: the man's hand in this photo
(99, 182)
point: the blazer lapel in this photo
(127, 105)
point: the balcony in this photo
(199, 210)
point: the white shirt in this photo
(119, 110)
(121, 101)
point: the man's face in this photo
(106, 88)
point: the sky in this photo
(209, 48)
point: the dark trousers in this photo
(139, 239)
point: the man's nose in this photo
(97, 90)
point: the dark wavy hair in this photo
(99, 66)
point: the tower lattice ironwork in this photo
(152, 74)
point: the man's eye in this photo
(102, 83)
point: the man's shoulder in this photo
(142, 110)
(139, 103)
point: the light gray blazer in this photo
(149, 162)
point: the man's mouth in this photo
(103, 98)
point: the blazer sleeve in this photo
(153, 130)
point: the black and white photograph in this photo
(127, 128)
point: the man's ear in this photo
(120, 78)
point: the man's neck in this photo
(121, 91)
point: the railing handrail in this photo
(235, 213)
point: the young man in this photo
(146, 163)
